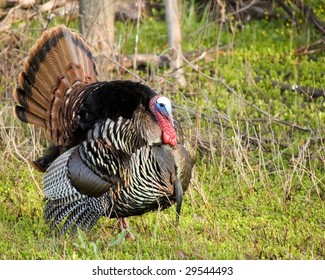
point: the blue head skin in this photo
(161, 108)
(164, 107)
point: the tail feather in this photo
(25, 88)
(29, 102)
(57, 65)
(28, 117)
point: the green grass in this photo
(261, 199)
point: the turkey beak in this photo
(179, 198)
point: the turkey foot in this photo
(123, 224)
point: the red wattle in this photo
(170, 140)
(166, 123)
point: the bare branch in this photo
(310, 91)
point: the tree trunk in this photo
(97, 23)
(174, 40)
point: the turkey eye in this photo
(161, 107)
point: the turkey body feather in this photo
(116, 149)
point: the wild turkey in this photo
(116, 149)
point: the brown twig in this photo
(311, 48)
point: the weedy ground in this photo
(258, 186)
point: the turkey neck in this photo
(147, 126)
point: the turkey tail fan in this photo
(58, 64)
